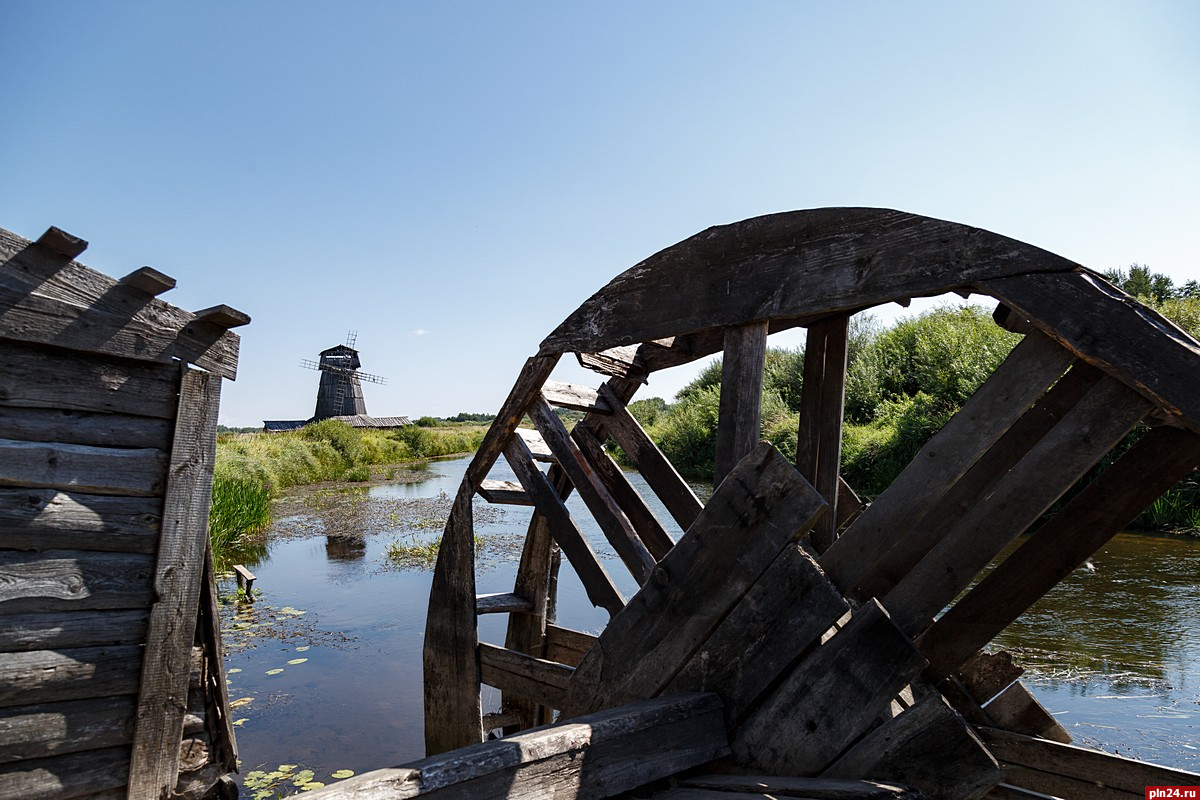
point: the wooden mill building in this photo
(111, 679)
(794, 642)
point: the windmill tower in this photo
(340, 392)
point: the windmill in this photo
(340, 391)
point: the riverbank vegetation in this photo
(253, 468)
(902, 384)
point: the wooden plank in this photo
(739, 420)
(453, 716)
(1048, 470)
(567, 646)
(61, 243)
(73, 775)
(649, 530)
(72, 580)
(504, 493)
(1110, 770)
(46, 519)
(46, 676)
(1032, 366)
(535, 679)
(1005, 791)
(678, 498)
(148, 280)
(985, 675)
(1094, 319)
(980, 479)
(55, 631)
(219, 723)
(86, 313)
(822, 405)
(154, 766)
(533, 376)
(849, 506)
(612, 521)
(538, 449)
(49, 729)
(927, 747)
(762, 506)
(601, 755)
(831, 699)
(790, 265)
(782, 615)
(138, 472)
(784, 786)
(1161, 458)
(1048, 783)
(83, 427)
(502, 603)
(223, 316)
(619, 362)
(569, 395)
(1016, 709)
(51, 378)
(596, 581)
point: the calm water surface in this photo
(1114, 653)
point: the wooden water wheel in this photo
(816, 620)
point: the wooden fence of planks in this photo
(832, 621)
(111, 677)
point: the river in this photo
(325, 666)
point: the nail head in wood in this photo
(149, 280)
(223, 317)
(56, 240)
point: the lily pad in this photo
(275, 671)
(298, 660)
(343, 773)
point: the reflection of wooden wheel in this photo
(1093, 363)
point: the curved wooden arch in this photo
(1093, 363)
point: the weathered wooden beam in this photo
(50, 729)
(782, 615)
(649, 530)
(222, 316)
(1106, 506)
(56, 631)
(538, 449)
(678, 498)
(733, 787)
(830, 699)
(1093, 319)
(183, 548)
(1016, 709)
(46, 676)
(219, 724)
(567, 646)
(47, 519)
(1033, 365)
(927, 747)
(985, 675)
(535, 679)
(529, 383)
(569, 395)
(29, 378)
(453, 715)
(1105, 769)
(601, 755)
(596, 581)
(73, 580)
(502, 603)
(619, 362)
(752, 516)
(791, 265)
(149, 281)
(609, 516)
(82, 427)
(61, 243)
(739, 420)
(822, 406)
(979, 480)
(82, 312)
(504, 493)
(139, 472)
(88, 774)
(1050, 468)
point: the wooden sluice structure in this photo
(111, 678)
(795, 643)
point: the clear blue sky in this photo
(452, 179)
